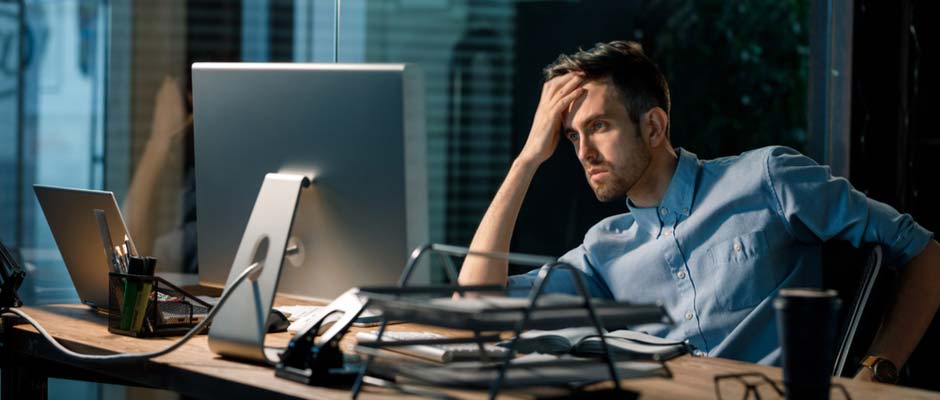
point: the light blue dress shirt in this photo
(728, 234)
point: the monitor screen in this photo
(356, 129)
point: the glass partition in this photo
(53, 130)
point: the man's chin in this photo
(606, 193)
(605, 196)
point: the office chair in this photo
(864, 287)
(861, 317)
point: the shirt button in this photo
(689, 315)
(685, 210)
(667, 232)
(737, 247)
(681, 275)
(664, 211)
(698, 353)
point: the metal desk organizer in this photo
(311, 360)
(143, 317)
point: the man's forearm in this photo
(495, 230)
(915, 304)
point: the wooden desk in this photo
(28, 360)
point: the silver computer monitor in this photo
(356, 129)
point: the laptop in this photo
(71, 216)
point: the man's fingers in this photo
(561, 84)
(563, 103)
(546, 91)
(570, 85)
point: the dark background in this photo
(895, 151)
(726, 63)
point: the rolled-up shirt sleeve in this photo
(562, 280)
(816, 206)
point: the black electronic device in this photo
(277, 321)
(11, 277)
(319, 361)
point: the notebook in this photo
(530, 370)
(443, 353)
(585, 342)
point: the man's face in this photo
(612, 152)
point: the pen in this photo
(127, 248)
(130, 246)
(123, 260)
(119, 260)
(127, 260)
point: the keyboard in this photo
(435, 352)
(303, 317)
(300, 317)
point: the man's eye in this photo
(573, 136)
(598, 125)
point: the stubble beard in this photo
(621, 179)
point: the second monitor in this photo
(356, 129)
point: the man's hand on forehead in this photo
(557, 95)
(567, 116)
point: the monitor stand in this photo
(240, 325)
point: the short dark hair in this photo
(640, 83)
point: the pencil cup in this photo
(143, 305)
(130, 309)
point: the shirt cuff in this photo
(918, 238)
(520, 285)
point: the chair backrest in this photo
(856, 293)
(864, 286)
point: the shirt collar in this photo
(677, 202)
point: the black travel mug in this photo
(807, 321)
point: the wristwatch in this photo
(882, 369)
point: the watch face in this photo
(885, 371)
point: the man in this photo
(712, 240)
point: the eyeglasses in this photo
(757, 386)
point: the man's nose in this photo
(586, 151)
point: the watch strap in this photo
(877, 365)
(870, 361)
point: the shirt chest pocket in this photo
(739, 276)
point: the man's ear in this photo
(657, 123)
